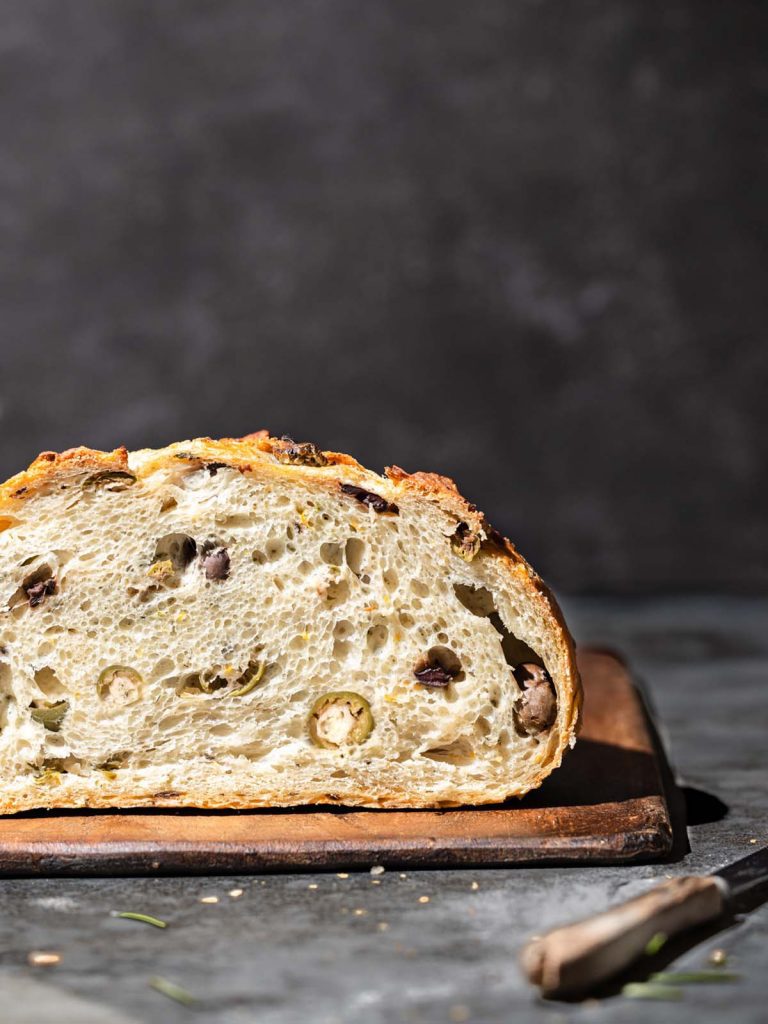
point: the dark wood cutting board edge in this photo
(606, 805)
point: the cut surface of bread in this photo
(253, 622)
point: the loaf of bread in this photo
(255, 622)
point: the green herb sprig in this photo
(172, 991)
(145, 918)
(647, 990)
(655, 943)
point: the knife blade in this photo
(743, 877)
(574, 959)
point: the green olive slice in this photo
(120, 683)
(50, 716)
(249, 678)
(109, 480)
(339, 719)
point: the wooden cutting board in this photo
(605, 805)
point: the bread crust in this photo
(255, 454)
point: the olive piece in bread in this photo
(339, 719)
(119, 684)
(50, 716)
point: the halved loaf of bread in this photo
(254, 622)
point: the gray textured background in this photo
(520, 243)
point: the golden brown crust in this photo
(256, 453)
(49, 467)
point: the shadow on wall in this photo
(515, 245)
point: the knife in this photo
(571, 960)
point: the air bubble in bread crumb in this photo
(376, 637)
(354, 552)
(332, 553)
(390, 579)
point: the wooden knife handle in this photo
(574, 959)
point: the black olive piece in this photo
(38, 592)
(433, 675)
(536, 708)
(374, 501)
(438, 668)
(215, 562)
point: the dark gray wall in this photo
(519, 243)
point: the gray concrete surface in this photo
(332, 950)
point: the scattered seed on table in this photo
(360, 911)
(718, 957)
(234, 893)
(375, 881)
(342, 874)
(312, 885)
(475, 886)
(209, 899)
(423, 899)
(377, 869)
(42, 958)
